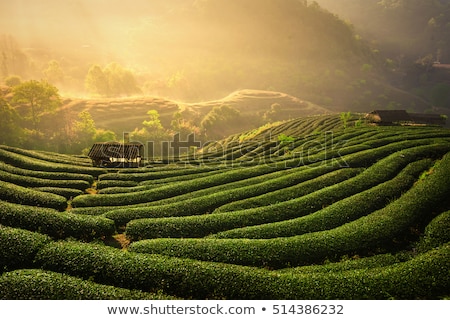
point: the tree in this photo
(37, 97)
(9, 131)
(96, 81)
(84, 128)
(345, 117)
(113, 80)
(54, 73)
(13, 81)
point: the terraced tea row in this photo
(273, 223)
(67, 263)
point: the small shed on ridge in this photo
(388, 117)
(117, 154)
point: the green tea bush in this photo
(19, 247)
(154, 175)
(338, 213)
(103, 184)
(425, 276)
(67, 193)
(224, 194)
(31, 182)
(298, 207)
(378, 229)
(34, 284)
(371, 262)
(437, 232)
(21, 195)
(202, 225)
(51, 156)
(170, 190)
(29, 163)
(46, 175)
(53, 223)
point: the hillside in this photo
(127, 114)
(291, 211)
(200, 51)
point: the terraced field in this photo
(299, 210)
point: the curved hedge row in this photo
(297, 207)
(56, 224)
(207, 203)
(67, 193)
(27, 162)
(437, 232)
(46, 175)
(377, 229)
(50, 156)
(425, 276)
(31, 182)
(169, 190)
(33, 284)
(338, 213)
(152, 175)
(196, 225)
(19, 247)
(21, 195)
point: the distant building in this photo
(117, 155)
(388, 117)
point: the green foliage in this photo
(29, 162)
(53, 223)
(351, 196)
(345, 117)
(436, 233)
(37, 284)
(378, 229)
(21, 195)
(19, 247)
(205, 224)
(338, 213)
(9, 128)
(38, 97)
(421, 277)
(30, 182)
(114, 80)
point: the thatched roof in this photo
(102, 150)
(389, 116)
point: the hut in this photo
(389, 117)
(117, 155)
(401, 117)
(428, 119)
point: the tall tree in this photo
(37, 98)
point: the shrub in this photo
(297, 207)
(425, 276)
(46, 175)
(221, 195)
(170, 190)
(67, 193)
(338, 213)
(30, 163)
(45, 285)
(31, 182)
(378, 229)
(19, 247)
(436, 232)
(53, 223)
(21, 195)
(202, 225)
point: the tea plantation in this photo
(304, 209)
